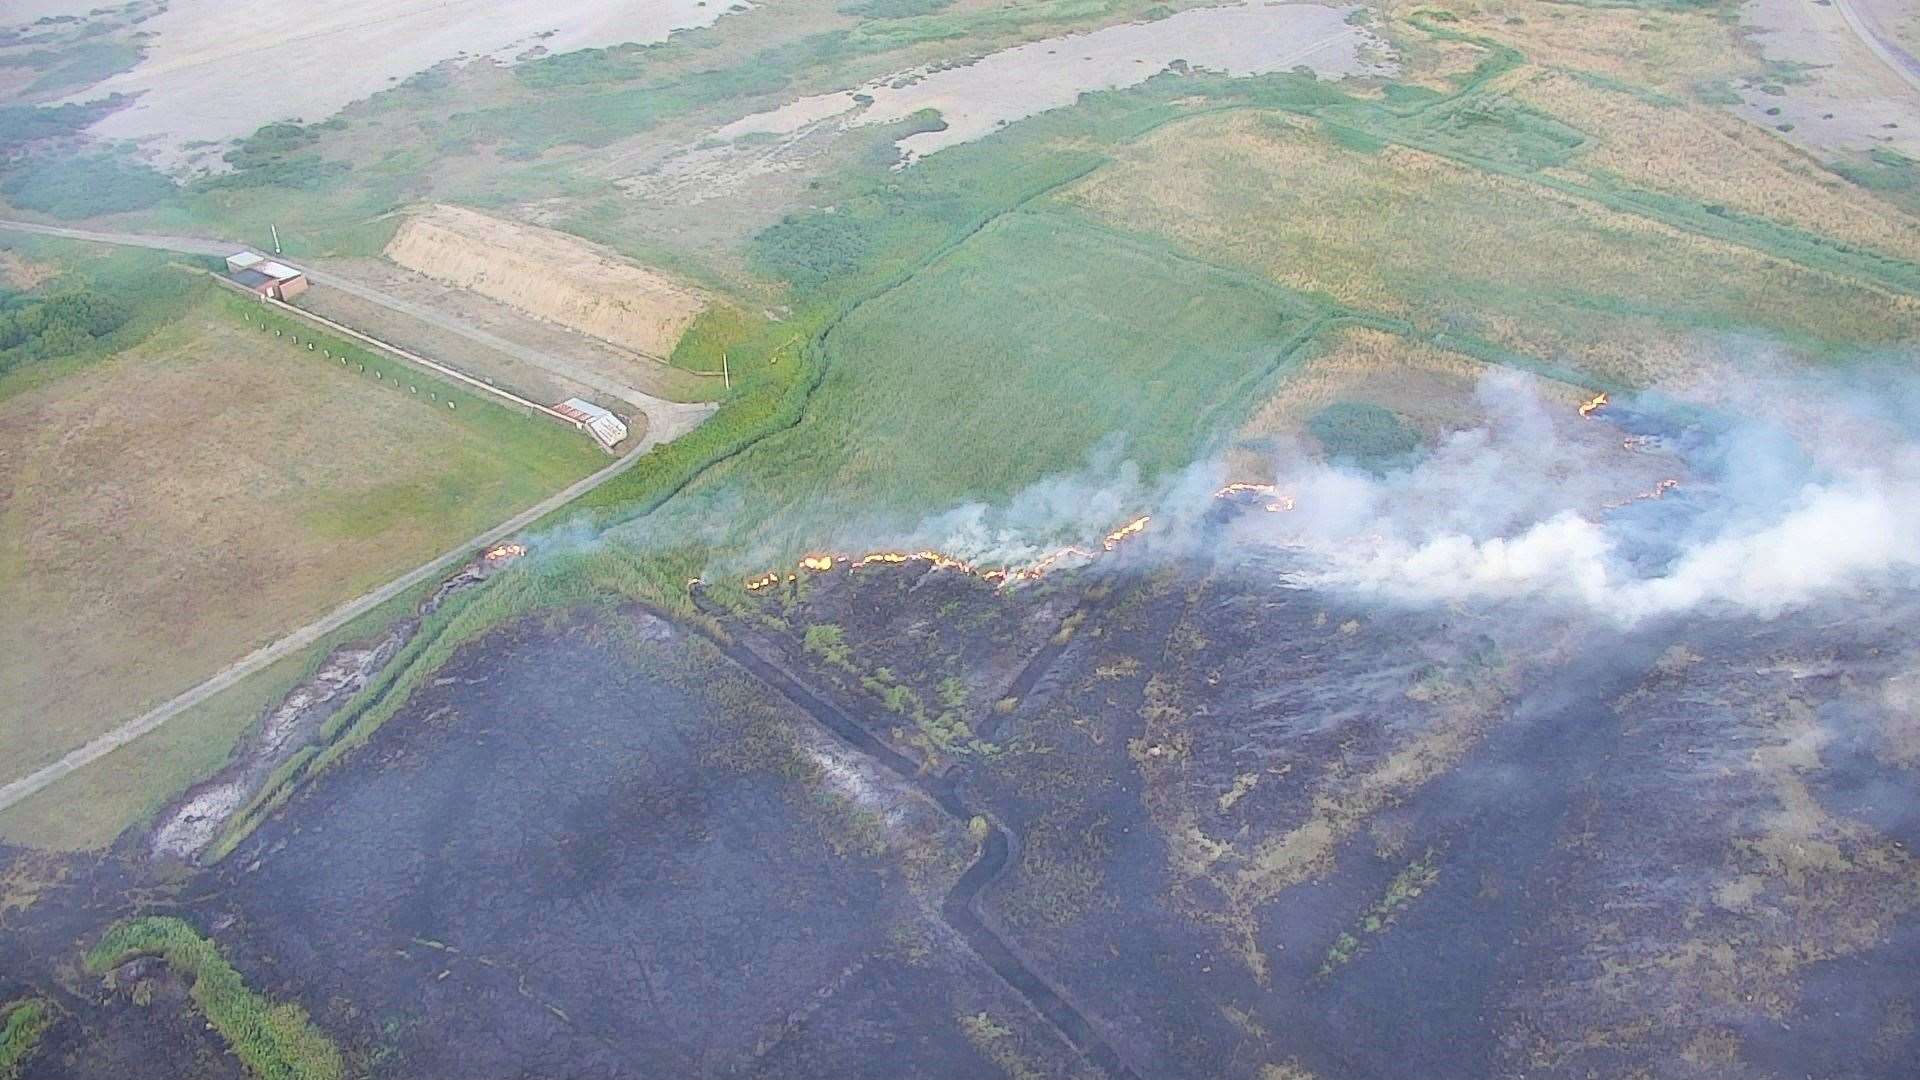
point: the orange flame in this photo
(820, 563)
(1659, 490)
(1598, 402)
(1132, 528)
(1276, 503)
(506, 551)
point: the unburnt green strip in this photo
(21, 1025)
(275, 1042)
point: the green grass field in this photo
(1027, 346)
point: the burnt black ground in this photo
(597, 847)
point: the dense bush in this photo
(1356, 433)
(22, 125)
(60, 325)
(275, 156)
(81, 187)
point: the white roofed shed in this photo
(603, 425)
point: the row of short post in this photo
(432, 395)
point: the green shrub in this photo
(829, 642)
(60, 325)
(83, 65)
(275, 1042)
(23, 125)
(21, 1025)
(1357, 433)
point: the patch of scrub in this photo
(1244, 39)
(214, 71)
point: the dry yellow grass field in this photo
(1717, 158)
(551, 275)
(169, 509)
(1670, 50)
(1407, 233)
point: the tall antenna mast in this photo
(276, 238)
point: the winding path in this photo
(1867, 29)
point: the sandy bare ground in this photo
(216, 70)
(544, 360)
(1242, 39)
(1853, 98)
(1879, 25)
(550, 275)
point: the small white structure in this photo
(603, 425)
(254, 271)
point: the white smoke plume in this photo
(1766, 519)
(1079, 506)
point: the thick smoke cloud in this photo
(1787, 489)
(1770, 513)
(1078, 506)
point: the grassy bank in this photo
(275, 1042)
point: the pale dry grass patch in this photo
(19, 272)
(1717, 158)
(1667, 49)
(1408, 233)
(166, 510)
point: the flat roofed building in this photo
(265, 276)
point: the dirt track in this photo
(666, 420)
(1867, 28)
